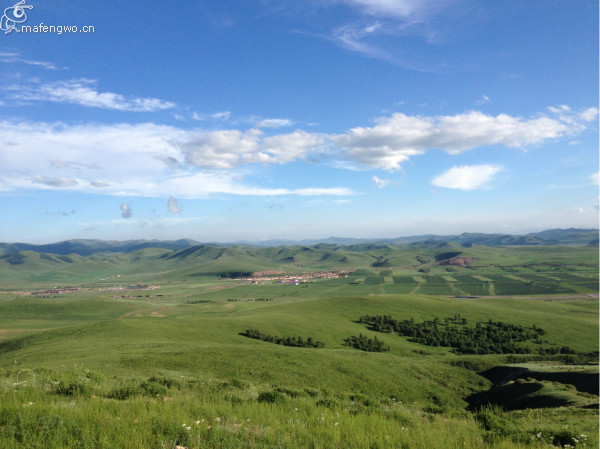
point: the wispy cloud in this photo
(15, 58)
(467, 177)
(216, 116)
(399, 8)
(482, 100)
(381, 183)
(273, 123)
(84, 93)
(54, 181)
(353, 38)
(377, 28)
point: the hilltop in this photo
(86, 247)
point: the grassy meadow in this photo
(109, 366)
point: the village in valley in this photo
(281, 277)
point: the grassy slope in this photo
(203, 338)
(190, 336)
(221, 374)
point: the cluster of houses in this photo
(130, 287)
(298, 278)
(55, 291)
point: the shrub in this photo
(327, 402)
(71, 388)
(565, 438)
(271, 397)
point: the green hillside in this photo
(149, 349)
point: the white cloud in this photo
(398, 8)
(99, 184)
(466, 177)
(144, 159)
(352, 38)
(223, 149)
(84, 93)
(217, 116)
(273, 123)
(381, 183)
(589, 114)
(393, 19)
(14, 58)
(54, 181)
(595, 178)
(393, 140)
(284, 148)
(482, 100)
(156, 160)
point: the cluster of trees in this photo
(554, 350)
(364, 343)
(249, 299)
(298, 342)
(492, 337)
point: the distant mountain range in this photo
(89, 247)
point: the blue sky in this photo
(248, 120)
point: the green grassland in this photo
(106, 366)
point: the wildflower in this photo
(217, 419)
(336, 423)
(188, 428)
(248, 420)
(296, 408)
(197, 422)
